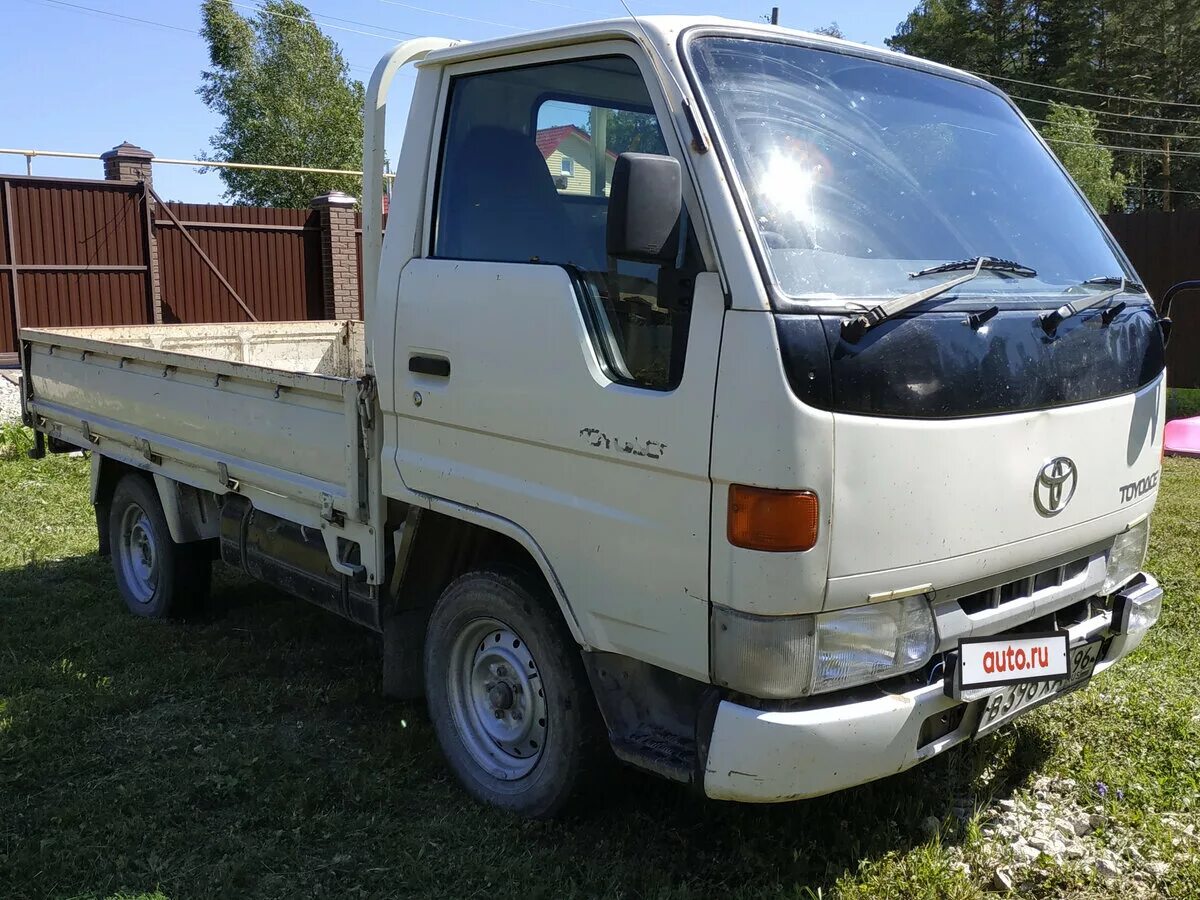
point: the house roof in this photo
(548, 139)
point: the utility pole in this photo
(1166, 200)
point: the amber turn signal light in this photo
(777, 521)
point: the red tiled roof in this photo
(548, 139)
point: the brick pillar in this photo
(131, 164)
(339, 254)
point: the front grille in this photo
(1062, 619)
(1000, 595)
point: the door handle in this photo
(429, 365)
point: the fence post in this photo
(131, 164)
(339, 255)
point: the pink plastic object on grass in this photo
(1183, 437)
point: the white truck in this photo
(771, 409)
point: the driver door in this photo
(542, 382)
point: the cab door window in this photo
(525, 175)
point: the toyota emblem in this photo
(1055, 486)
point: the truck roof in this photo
(663, 32)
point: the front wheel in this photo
(157, 577)
(507, 693)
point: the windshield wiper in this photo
(855, 327)
(1051, 320)
(1116, 280)
(989, 262)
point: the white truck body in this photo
(478, 392)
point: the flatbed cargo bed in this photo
(273, 411)
(330, 348)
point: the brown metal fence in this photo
(271, 258)
(84, 252)
(1164, 247)
(358, 254)
(71, 253)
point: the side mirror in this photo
(1164, 317)
(644, 207)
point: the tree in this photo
(948, 31)
(1071, 132)
(830, 30)
(1137, 65)
(285, 97)
(633, 132)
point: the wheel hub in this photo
(497, 698)
(138, 554)
(501, 696)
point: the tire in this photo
(157, 577)
(508, 696)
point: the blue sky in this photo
(82, 81)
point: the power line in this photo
(1149, 150)
(1139, 188)
(76, 7)
(1067, 90)
(113, 15)
(369, 25)
(449, 15)
(279, 15)
(559, 5)
(1147, 134)
(592, 12)
(1102, 112)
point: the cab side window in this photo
(524, 177)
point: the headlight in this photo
(779, 657)
(870, 642)
(1137, 608)
(1127, 556)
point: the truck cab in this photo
(729, 489)
(774, 406)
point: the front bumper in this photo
(759, 756)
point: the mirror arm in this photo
(1164, 318)
(1174, 289)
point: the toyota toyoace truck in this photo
(771, 409)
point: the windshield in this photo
(858, 173)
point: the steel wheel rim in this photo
(138, 554)
(497, 699)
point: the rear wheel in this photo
(157, 577)
(508, 696)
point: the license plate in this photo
(992, 662)
(1014, 699)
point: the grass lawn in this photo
(250, 755)
(1183, 403)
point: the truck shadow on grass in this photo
(249, 752)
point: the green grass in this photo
(15, 441)
(1182, 403)
(250, 755)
